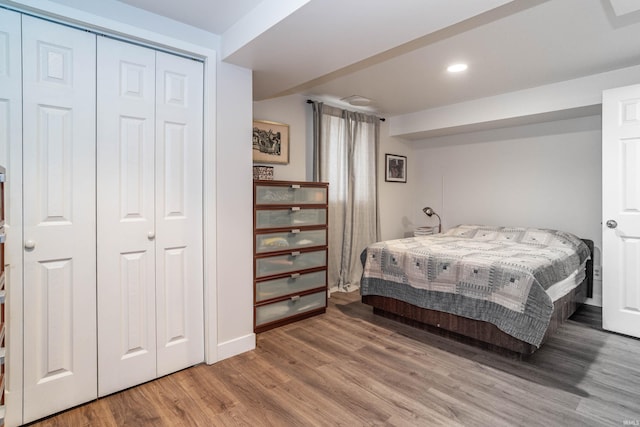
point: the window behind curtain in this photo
(346, 152)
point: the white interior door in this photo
(126, 225)
(179, 266)
(11, 158)
(621, 210)
(60, 368)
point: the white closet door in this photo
(621, 210)
(60, 368)
(11, 158)
(126, 226)
(179, 279)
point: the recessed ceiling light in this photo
(456, 68)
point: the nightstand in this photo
(425, 231)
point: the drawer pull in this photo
(295, 186)
(295, 231)
(297, 253)
(295, 298)
(295, 275)
(295, 208)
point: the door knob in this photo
(612, 223)
(29, 244)
(151, 235)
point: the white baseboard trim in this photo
(236, 346)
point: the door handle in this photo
(151, 235)
(612, 223)
(29, 244)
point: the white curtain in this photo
(346, 156)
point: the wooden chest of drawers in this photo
(289, 251)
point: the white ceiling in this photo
(396, 52)
(215, 16)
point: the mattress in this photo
(564, 286)
(506, 276)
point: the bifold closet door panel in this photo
(150, 284)
(126, 224)
(179, 266)
(60, 369)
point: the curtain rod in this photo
(310, 101)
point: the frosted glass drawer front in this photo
(272, 242)
(288, 263)
(295, 283)
(290, 307)
(294, 217)
(286, 195)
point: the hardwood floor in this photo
(351, 368)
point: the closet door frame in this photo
(79, 19)
(150, 266)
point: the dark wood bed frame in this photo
(478, 332)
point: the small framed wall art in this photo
(270, 142)
(395, 168)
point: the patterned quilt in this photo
(494, 274)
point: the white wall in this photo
(397, 218)
(234, 212)
(544, 175)
(539, 175)
(294, 111)
(291, 110)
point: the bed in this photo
(503, 288)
